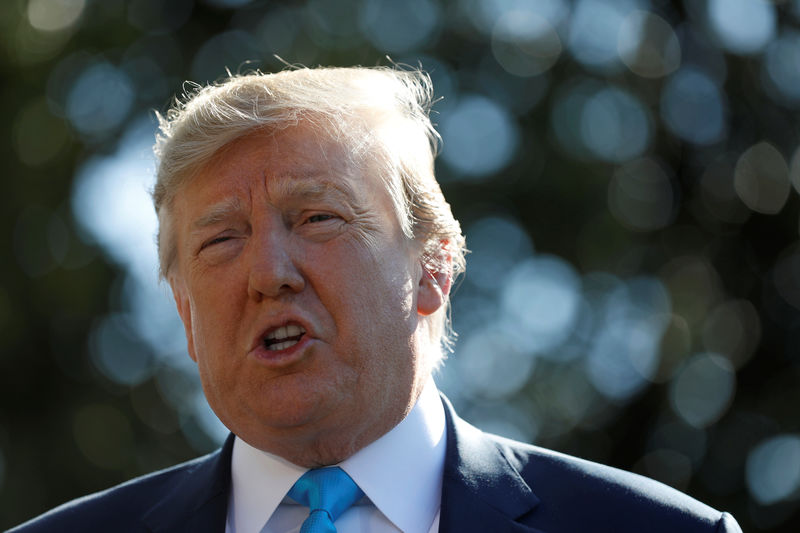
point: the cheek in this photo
(385, 307)
(375, 280)
(215, 320)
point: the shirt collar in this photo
(259, 481)
(406, 488)
(401, 472)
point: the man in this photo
(310, 253)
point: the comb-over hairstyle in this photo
(380, 114)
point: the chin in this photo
(286, 414)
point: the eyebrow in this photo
(217, 213)
(283, 186)
(312, 186)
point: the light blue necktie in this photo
(328, 492)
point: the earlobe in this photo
(181, 296)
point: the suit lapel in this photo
(198, 500)
(481, 491)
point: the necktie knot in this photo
(327, 492)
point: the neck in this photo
(328, 446)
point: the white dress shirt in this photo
(400, 474)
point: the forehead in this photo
(296, 151)
(298, 161)
(288, 158)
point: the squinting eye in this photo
(216, 240)
(319, 218)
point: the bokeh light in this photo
(54, 15)
(540, 302)
(780, 77)
(594, 31)
(614, 125)
(742, 26)
(479, 137)
(525, 43)
(624, 355)
(398, 27)
(773, 469)
(648, 45)
(486, 14)
(491, 365)
(693, 108)
(733, 328)
(600, 122)
(99, 100)
(703, 389)
(762, 178)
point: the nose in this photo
(273, 270)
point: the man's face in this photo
(301, 298)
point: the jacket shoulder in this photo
(608, 495)
(119, 508)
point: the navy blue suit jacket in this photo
(490, 485)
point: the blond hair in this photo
(381, 114)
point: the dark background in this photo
(626, 173)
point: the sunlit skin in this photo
(279, 229)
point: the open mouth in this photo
(283, 337)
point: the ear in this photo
(435, 282)
(181, 296)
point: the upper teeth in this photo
(284, 332)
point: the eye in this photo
(215, 240)
(321, 217)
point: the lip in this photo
(282, 358)
(287, 356)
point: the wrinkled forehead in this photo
(300, 146)
(292, 162)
